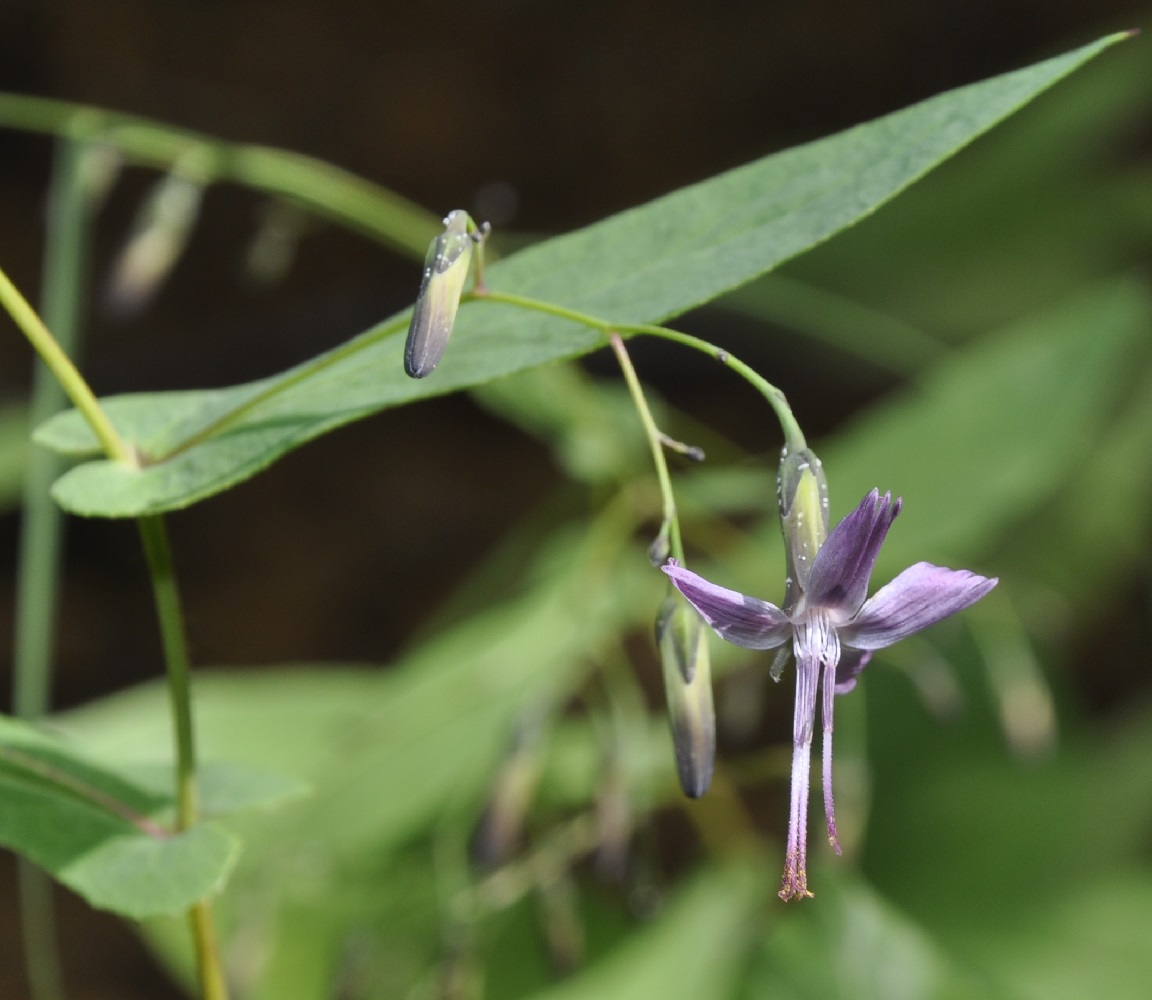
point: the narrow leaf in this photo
(643, 265)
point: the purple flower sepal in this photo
(833, 629)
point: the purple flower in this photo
(833, 629)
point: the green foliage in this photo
(93, 829)
(641, 266)
(1019, 442)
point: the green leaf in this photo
(984, 440)
(90, 828)
(444, 714)
(1091, 943)
(224, 787)
(853, 945)
(696, 948)
(1012, 417)
(139, 876)
(643, 265)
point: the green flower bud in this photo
(446, 268)
(802, 492)
(683, 643)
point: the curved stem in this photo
(775, 397)
(320, 187)
(154, 537)
(671, 523)
(62, 369)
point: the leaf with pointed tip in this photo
(641, 266)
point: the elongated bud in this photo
(446, 269)
(802, 492)
(614, 819)
(683, 643)
(159, 236)
(500, 829)
(562, 924)
(273, 246)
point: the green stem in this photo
(793, 436)
(324, 189)
(41, 528)
(154, 537)
(62, 369)
(671, 522)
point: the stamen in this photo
(794, 884)
(829, 693)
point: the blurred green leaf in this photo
(643, 265)
(223, 788)
(853, 945)
(1023, 217)
(75, 819)
(590, 423)
(697, 948)
(1010, 864)
(977, 444)
(1103, 519)
(360, 737)
(1092, 942)
(982, 440)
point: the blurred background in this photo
(541, 118)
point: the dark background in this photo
(539, 116)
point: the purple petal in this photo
(742, 620)
(852, 661)
(920, 596)
(843, 566)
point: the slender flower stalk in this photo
(64, 371)
(166, 594)
(831, 627)
(167, 604)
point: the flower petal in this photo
(852, 661)
(843, 566)
(920, 596)
(742, 620)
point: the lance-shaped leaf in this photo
(641, 266)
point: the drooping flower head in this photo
(832, 627)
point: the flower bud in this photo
(802, 492)
(159, 235)
(446, 269)
(502, 825)
(683, 643)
